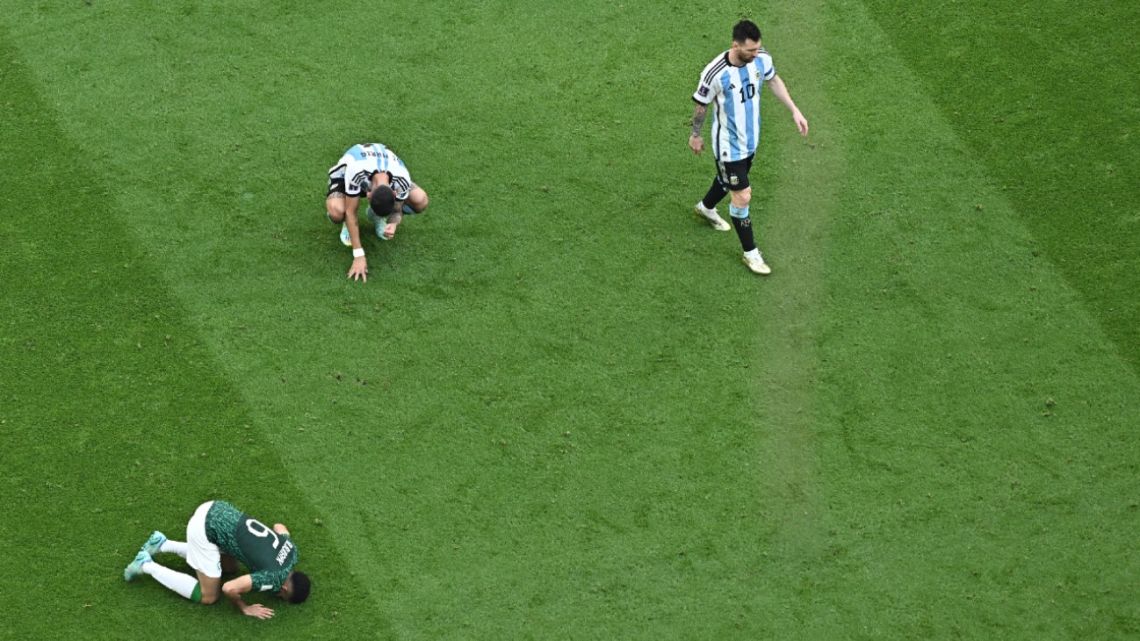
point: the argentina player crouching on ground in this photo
(218, 537)
(732, 83)
(376, 172)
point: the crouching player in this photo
(374, 171)
(218, 537)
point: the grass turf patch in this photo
(115, 420)
(1044, 95)
(561, 407)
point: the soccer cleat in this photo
(755, 262)
(153, 545)
(135, 568)
(378, 223)
(711, 217)
(345, 239)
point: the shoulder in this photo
(764, 63)
(714, 68)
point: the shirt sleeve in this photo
(704, 93)
(268, 580)
(357, 177)
(768, 71)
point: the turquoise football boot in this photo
(135, 568)
(153, 545)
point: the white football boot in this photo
(755, 262)
(711, 217)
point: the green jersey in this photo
(269, 556)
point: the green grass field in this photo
(561, 408)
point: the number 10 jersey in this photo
(735, 92)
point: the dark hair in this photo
(382, 200)
(301, 587)
(745, 30)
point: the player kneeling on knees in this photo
(219, 537)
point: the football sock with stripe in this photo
(743, 225)
(182, 584)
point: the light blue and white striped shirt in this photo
(363, 160)
(736, 112)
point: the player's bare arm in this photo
(219, 537)
(394, 220)
(359, 268)
(696, 143)
(780, 90)
(235, 588)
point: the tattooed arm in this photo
(696, 143)
(394, 220)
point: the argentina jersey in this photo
(361, 161)
(735, 94)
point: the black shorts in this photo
(336, 181)
(733, 175)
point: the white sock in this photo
(174, 547)
(755, 253)
(183, 584)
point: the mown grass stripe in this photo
(959, 484)
(114, 419)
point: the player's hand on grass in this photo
(257, 610)
(359, 269)
(390, 231)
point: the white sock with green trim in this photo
(183, 584)
(174, 547)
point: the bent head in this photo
(383, 200)
(296, 588)
(746, 41)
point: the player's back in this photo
(248, 540)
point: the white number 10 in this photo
(262, 532)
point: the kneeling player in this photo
(373, 170)
(219, 536)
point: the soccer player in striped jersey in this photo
(219, 536)
(731, 83)
(372, 170)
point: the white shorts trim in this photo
(202, 555)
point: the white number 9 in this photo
(262, 532)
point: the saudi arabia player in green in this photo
(218, 537)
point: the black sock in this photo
(744, 232)
(715, 195)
